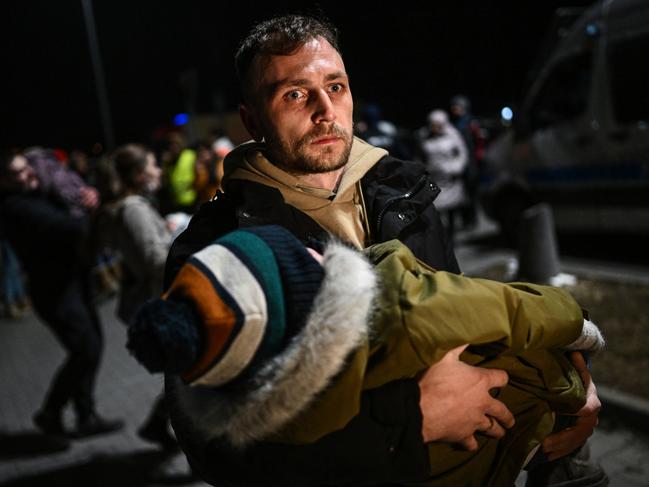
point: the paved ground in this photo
(125, 390)
(30, 355)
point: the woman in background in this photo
(133, 227)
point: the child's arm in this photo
(422, 314)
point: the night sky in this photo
(409, 57)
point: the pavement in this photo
(125, 390)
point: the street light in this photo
(98, 70)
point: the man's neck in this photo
(326, 180)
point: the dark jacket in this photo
(47, 240)
(383, 443)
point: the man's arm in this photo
(467, 406)
(379, 446)
(455, 402)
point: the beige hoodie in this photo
(340, 212)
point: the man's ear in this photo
(250, 122)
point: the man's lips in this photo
(326, 140)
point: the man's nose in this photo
(323, 108)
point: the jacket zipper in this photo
(394, 199)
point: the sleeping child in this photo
(261, 338)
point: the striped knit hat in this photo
(232, 306)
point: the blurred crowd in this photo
(451, 144)
(89, 185)
(76, 229)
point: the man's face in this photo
(21, 175)
(303, 109)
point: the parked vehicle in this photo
(580, 141)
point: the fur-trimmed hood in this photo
(285, 386)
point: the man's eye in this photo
(294, 95)
(336, 88)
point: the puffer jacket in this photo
(383, 442)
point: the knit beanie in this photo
(231, 307)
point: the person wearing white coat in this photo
(446, 156)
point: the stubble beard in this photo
(302, 157)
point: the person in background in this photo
(446, 156)
(168, 149)
(14, 295)
(130, 224)
(51, 244)
(178, 174)
(61, 183)
(376, 131)
(67, 187)
(209, 167)
(79, 163)
(469, 127)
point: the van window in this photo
(564, 94)
(630, 79)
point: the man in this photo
(47, 240)
(306, 172)
(469, 127)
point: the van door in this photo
(566, 144)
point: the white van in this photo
(580, 141)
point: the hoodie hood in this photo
(341, 212)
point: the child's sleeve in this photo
(427, 313)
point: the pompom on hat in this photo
(232, 306)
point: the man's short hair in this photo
(279, 36)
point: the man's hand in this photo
(455, 402)
(564, 442)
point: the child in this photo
(260, 341)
